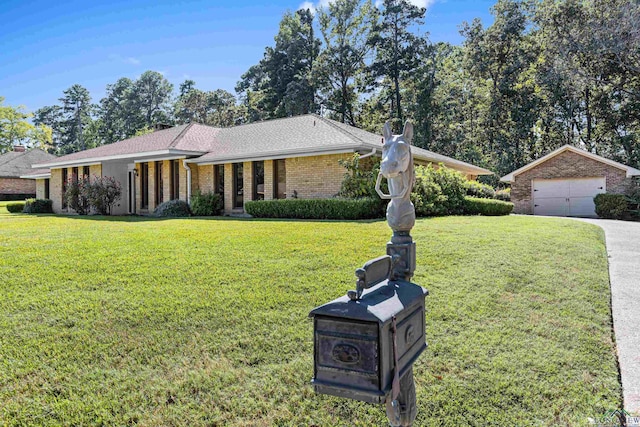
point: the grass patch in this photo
(121, 321)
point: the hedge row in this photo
(38, 206)
(15, 207)
(486, 207)
(317, 208)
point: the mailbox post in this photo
(365, 343)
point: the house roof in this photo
(191, 139)
(14, 164)
(279, 138)
(305, 136)
(628, 169)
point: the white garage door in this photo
(566, 197)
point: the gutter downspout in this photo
(186, 166)
(373, 151)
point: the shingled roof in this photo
(279, 138)
(17, 163)
(190, 139)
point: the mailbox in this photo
(365, 338)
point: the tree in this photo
(215, 108)
(281, 84)
(346, 27)
(500, 58)
(76, 109)
(15, 129)
(51, 117)
(116, 112)
(593, 59)
(398, 49)
(150, 100)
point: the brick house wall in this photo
(315, 177)
(564, 165)
(14, 186)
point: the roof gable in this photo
(628, 169)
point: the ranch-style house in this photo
(275, 159)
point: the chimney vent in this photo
(19, 148)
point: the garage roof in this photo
(628, 169)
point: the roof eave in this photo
(36, 176)
(270, 155)
(94, 160)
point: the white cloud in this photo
(125, 60)
(307, 5)
(315, 6)
(422, 3)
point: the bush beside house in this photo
(345, 209)
(610, 206)
(486, 207)
(15, 207)
(207, 204)
(173, 209)
(38, 206)
(97, 193)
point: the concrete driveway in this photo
(623, 247)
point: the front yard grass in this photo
(125, 321)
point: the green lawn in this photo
(204, 321)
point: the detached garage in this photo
(564, 183)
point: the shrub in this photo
(360, 178)
(77, 195)
(317, 208)
(438, 191)
(103, 193)
(504, 195)
(208, 204)
(633, 198)
(38, 206)
(612, 206)
(15, 207)
(478, 189)
(487, 207)
(173, 208)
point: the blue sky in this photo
(47, 46)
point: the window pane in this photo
(258, 180)
(238, 185)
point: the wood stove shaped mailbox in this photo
(365, 343)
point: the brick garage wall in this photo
(40, 188)
(565, 165)
(315, 177)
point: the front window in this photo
(279, 179)
(144, 185)
(86, 172)
(175, 179)
(218, 176)
(65, 178)
(158, 183)
(238, 185)
(258, 180)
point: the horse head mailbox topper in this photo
(365, 343)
